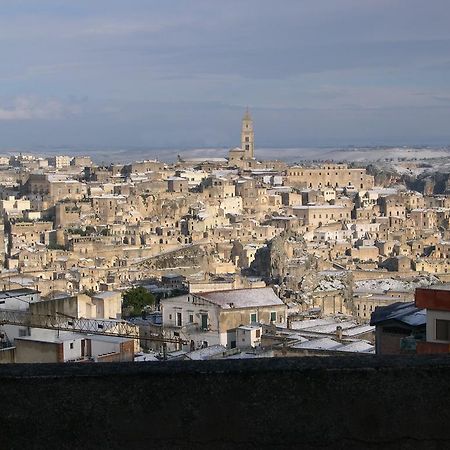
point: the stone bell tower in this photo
(248, 136)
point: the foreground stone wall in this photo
(344, 402)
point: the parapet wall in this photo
(311, 402)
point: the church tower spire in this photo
(248, 136)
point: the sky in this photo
(180, 73)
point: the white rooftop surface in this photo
(145, 357)
(389, 284)
(381, 190)
(441, 287)
(53, 177)
(358, 347)
(105, 294)
(318, 344)
(23, 281)
(304, 324)
(319, 207)
(294, 335)
(358, 330)
(243, 298)
(53, 336)
(251, 355)
(331, 328)
(206, 353)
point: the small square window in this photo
(442, 330)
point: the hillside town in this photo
(242, 258)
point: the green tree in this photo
(135, 300)
(89, 230)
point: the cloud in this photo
(33, 108)
(312, 71)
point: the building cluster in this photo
(247, 256)
(418, 327)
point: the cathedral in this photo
(244, 155)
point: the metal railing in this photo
(61, 322)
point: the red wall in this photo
(438, 299)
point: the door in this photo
(204, 321)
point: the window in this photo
(71, 345)
(179, 319)
(204, 321)
(258, 333)
(273, 316)
(191, 318)
(253, 318)
(442, 330)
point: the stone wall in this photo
(346, 402)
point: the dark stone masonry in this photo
(335, 402)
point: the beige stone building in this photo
(210, 318)
(177, 184)
(318, 215)
(60, 161)
(329, 175)
(424, 218)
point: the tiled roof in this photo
(242, 298)
(406, 313)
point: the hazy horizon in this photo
(289, 155)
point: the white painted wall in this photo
(432, 315)
(246, 338)
(72, 353)
(99, 347)
(171, 307)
